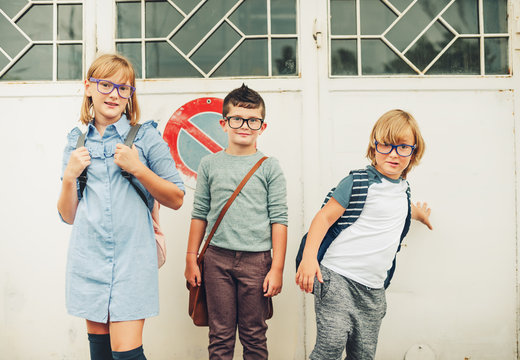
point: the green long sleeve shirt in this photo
(262, 202)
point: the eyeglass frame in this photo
(244, 121)
(396, 148)
(115, 86)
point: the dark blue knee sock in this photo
(135, 354)
(100, 347)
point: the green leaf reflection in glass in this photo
(461, 58)
(343, 57)
(284, 56)
(496, 56)
(250, 58)
(215, 47)
(429, 45)
(36, 64)
(70, 22)
(379, 59)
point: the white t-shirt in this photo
(364, 251)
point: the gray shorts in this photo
(348, 316)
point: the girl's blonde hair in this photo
(391, 127)
(105, 66)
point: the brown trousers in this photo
(234, 291)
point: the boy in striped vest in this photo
(363, 223)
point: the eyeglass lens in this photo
(106, 87)
(236, 122)
(402, 150)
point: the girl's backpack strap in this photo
(82, 179)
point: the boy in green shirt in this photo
(239, 272)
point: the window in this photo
(41, 40)
(208, 38)
(418, 37)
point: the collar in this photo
(378, 176)
(122, 126)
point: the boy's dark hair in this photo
(243, 97)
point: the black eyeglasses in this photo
(236, 122)
(403, 150)
(106, 87)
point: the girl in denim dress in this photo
(111, 277)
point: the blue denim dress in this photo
(112, 260)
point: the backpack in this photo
(159, 236)
(357, 200)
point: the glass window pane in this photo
(250, 58)
(283, 16)
(463, 16)
(128, 20)
(414, 21)
(496, 55)
(401, 5)
(69, 62)
(375, 16)
(35, 22)
(199, 24)
(161, 19)
(215, 47)
(36, 64)
(495, 16)
(379, 59)
(163, 61)
(344, 57)
(461, 58)
(12, 7)
(343, 17)
(429, 45)
(11, 41)
(70, 22)
(133, 52)
(284, 56)
(251, 17)
(186, 5)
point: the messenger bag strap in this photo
(228, 204)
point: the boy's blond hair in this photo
(105, 66)
(390, 128)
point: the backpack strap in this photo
(82, 179)
(129, 142)
(357, 200)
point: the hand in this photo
(273, 283)
(192, 273)
(307, 271)
(127, 158)
(79, 159)
(421, 212)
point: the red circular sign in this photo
(193, 131)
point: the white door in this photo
(326, 74)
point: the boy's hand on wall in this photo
(273, 283)
(307, 271)
(421, 212)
